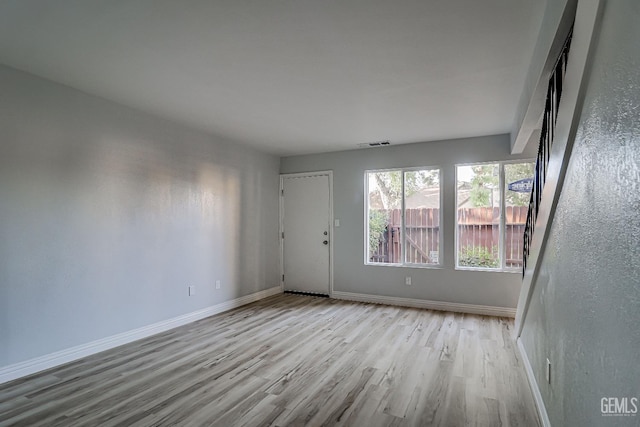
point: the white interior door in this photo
(306, 233)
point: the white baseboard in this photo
(41, 363)
(533, 384)
(431, 305)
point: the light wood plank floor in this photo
(292, 360)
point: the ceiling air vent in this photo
(374, 144)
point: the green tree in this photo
(485, 180)
(389, 184)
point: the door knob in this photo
(326, 242)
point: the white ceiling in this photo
(289, 76)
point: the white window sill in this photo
(427, 266)
(490, 270)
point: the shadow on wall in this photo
(104, 235)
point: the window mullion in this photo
(503, 212)
(403, 240)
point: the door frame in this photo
(329, 174)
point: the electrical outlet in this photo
(217, 284)
(548, 371)
(407, 280)
(192, 290)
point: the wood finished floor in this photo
(292, 360)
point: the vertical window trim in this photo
(441, 218)
(403, 217)
(502, 229)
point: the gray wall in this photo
(108, 214)
(585, 308)
(443, 284)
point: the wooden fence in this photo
(477, 228)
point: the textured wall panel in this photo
(585, 309)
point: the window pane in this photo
(478, 222)
(422, 216)
(385, 219)
(518, 181)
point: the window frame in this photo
(502, 225)
(404, 264)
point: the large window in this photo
(403, 217)
(492, 201)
